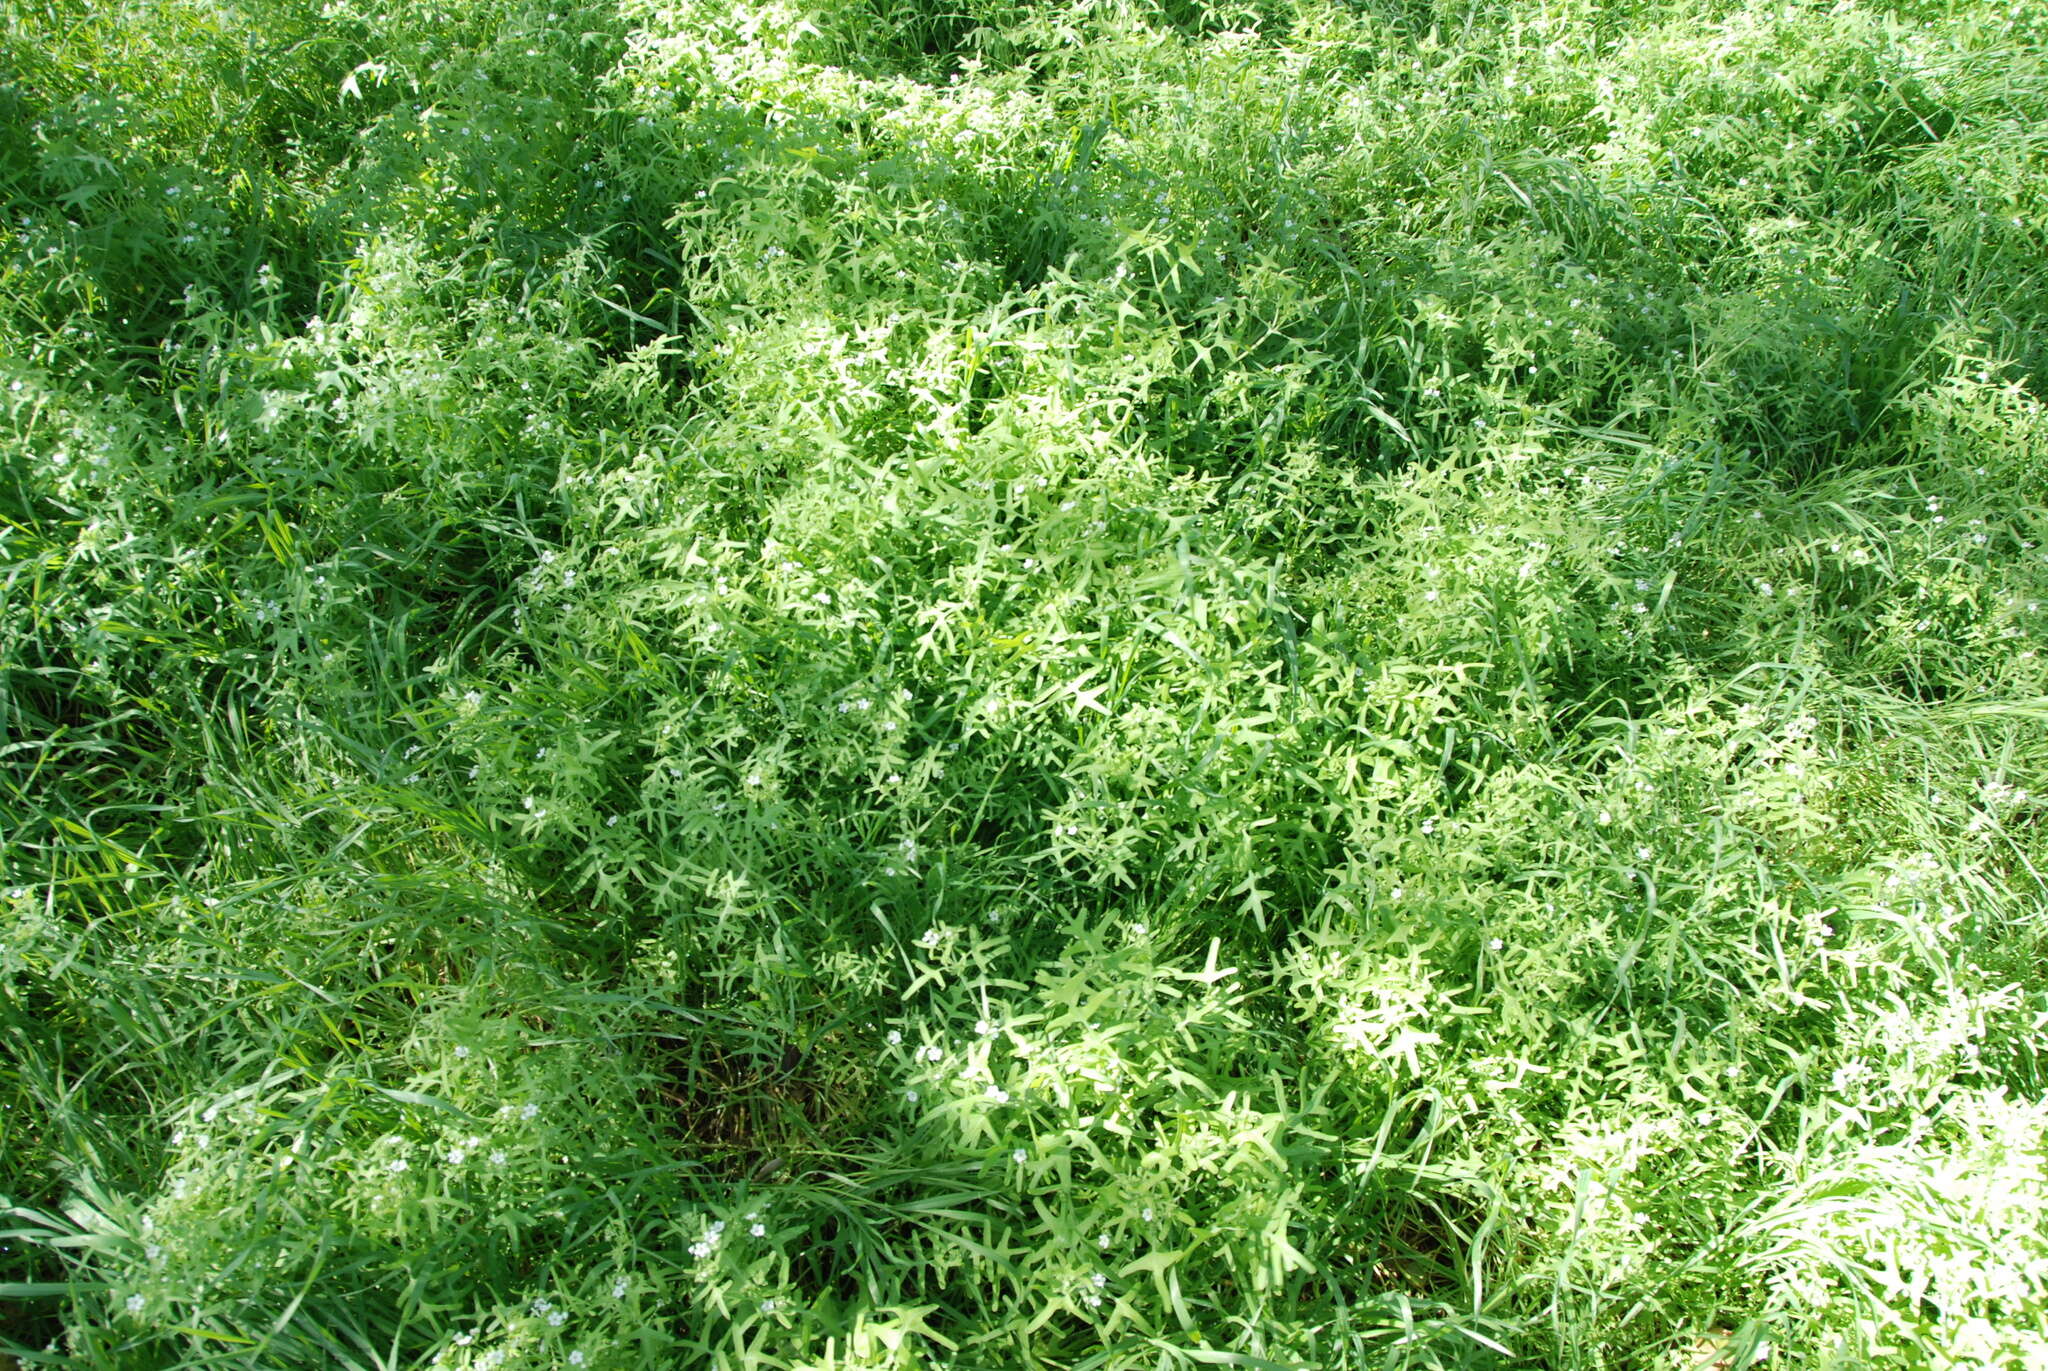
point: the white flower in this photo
(135, 1303)
(557, 1319)
(619, 1288)
(1146, 1213)
(456, 1156)
(541, 1306)
(1018, 1156)
(461, 1050)
(759, 1230)
(700, 1250)
(1102, 1242)
(576, 1357)
(1604, 818)
(498, 1157)
(1497, 944)
(768, 1306)
(398, 1164)
(930, 938)
(983, 1028)
(528, 1111)
(895, 1038)
(911, 1096)
(998, 1094)
(1098, 1280)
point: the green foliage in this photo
(1070, 685)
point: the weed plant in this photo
(1083, 684)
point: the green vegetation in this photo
(1085, 684)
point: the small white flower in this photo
(557, 1319)
(1604, 818)
(541, 1306)
(700, 1250)
(1098, 1280)
(768, 1306)
(930, 938)
(529, 1111)
(456, 1156)
(1146, 1213)
(1018, 1156)
(619, 1288)
(998, 1094)
(461, 1051)
(911, 1096)
(895, 1038)
(576, 1357)
(759, 1230)
(1102, 1242)
(135, 1303)
(399, 1164)
(498, 1157)
(983, 1028)
(1497, 944)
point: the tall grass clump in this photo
(1067, 685)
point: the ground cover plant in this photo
(1024, 684)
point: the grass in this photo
(1083, 686)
